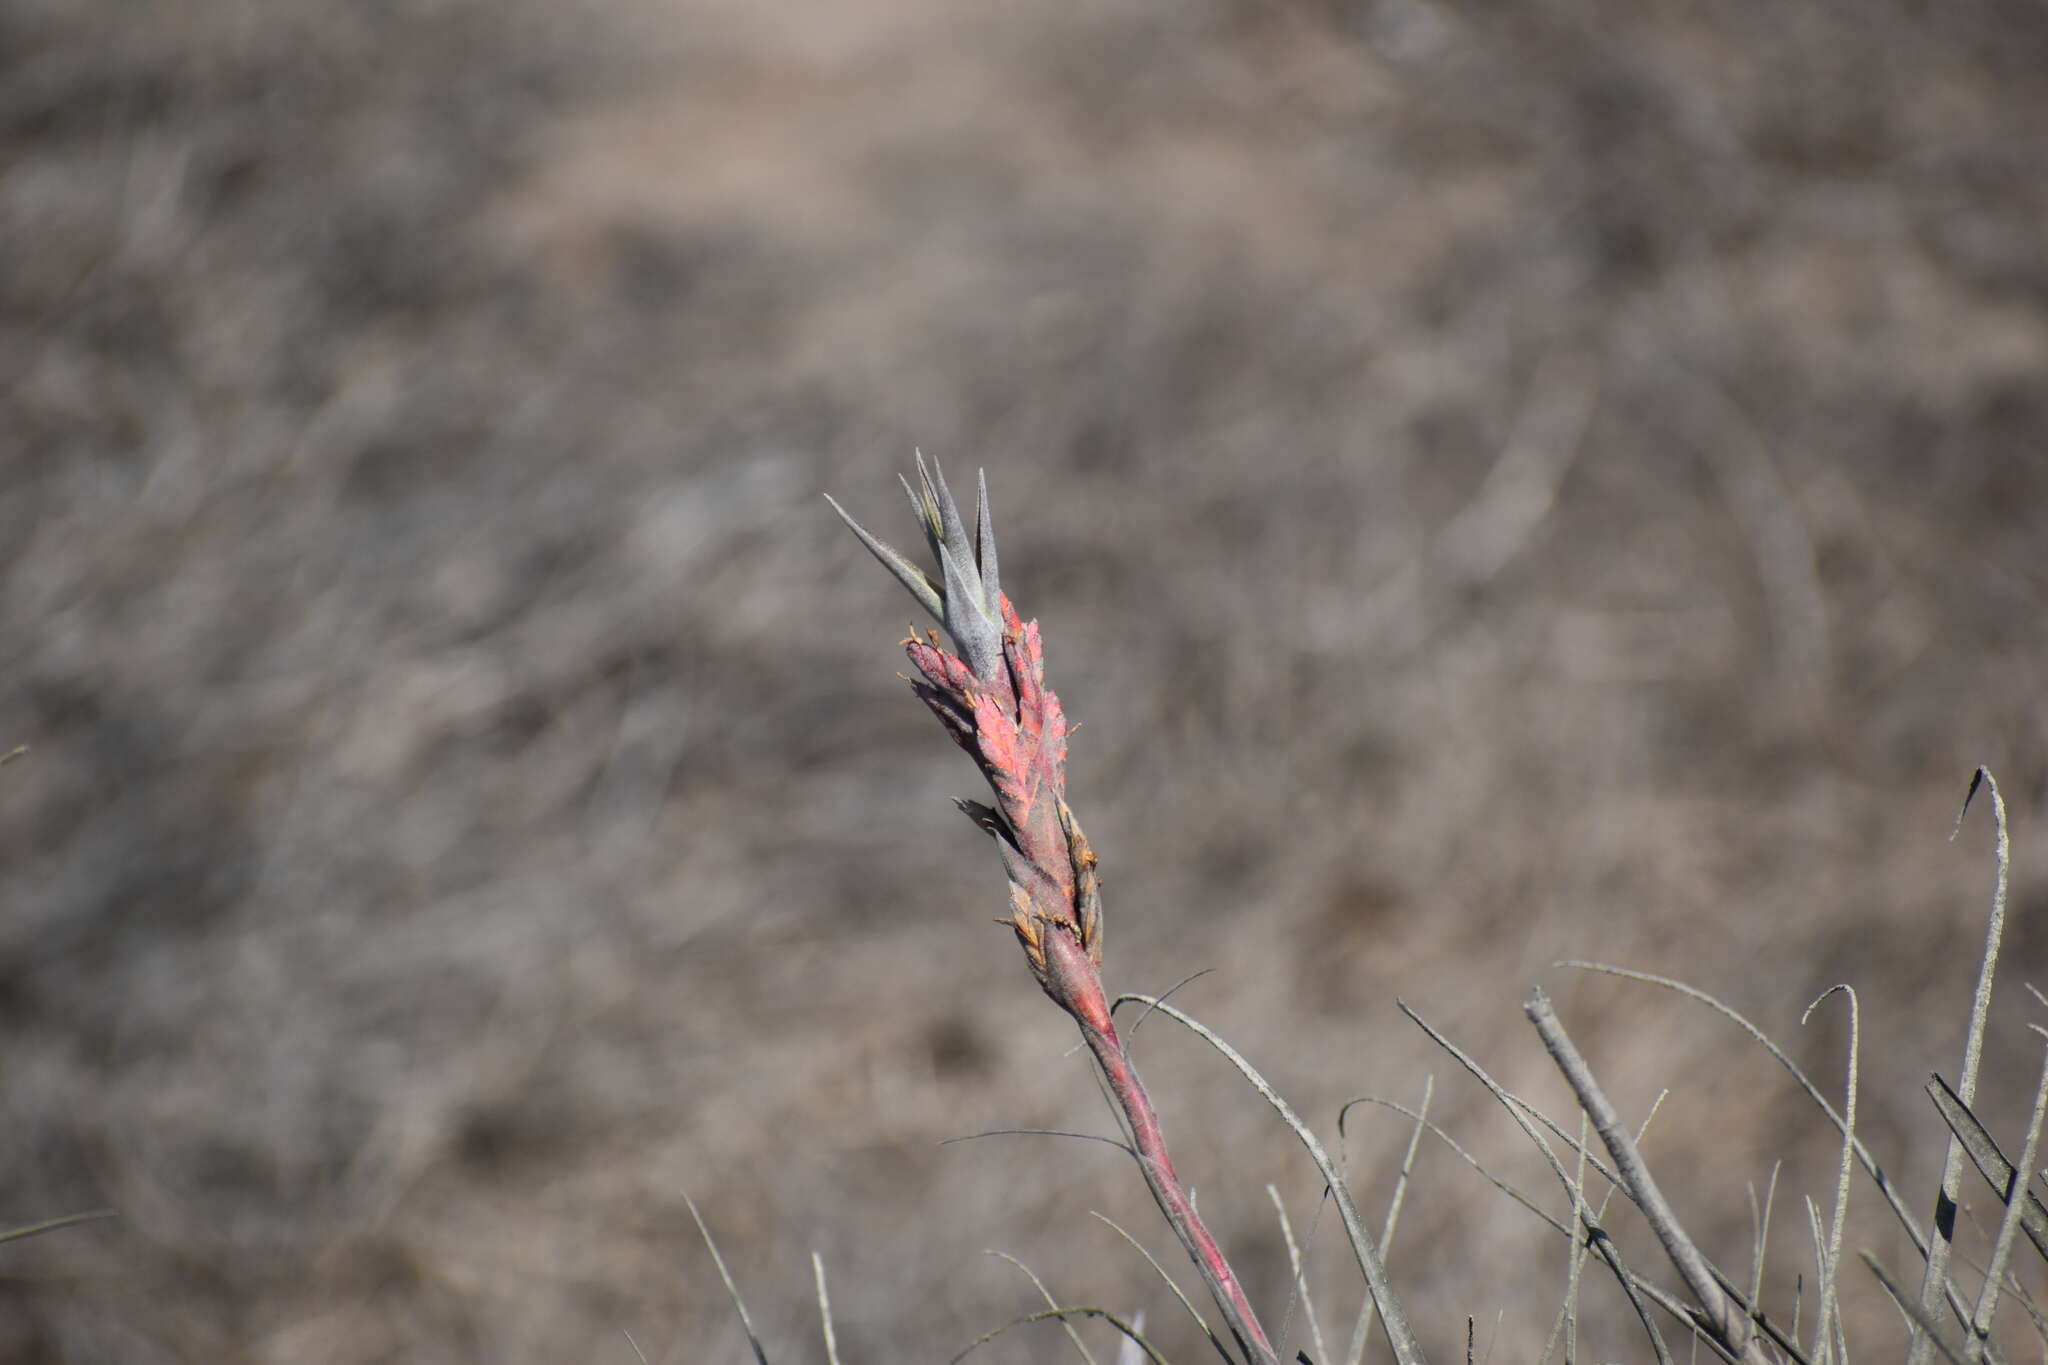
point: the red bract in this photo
(1015, 730)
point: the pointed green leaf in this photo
(914, 579)
(985, 550)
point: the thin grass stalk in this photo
(1594, 1223)
(2009, 1224)
(1831, 1251)
(1726, 1322)
(1763, 1241)
(732, 1290)
(1935, 1282)
(1991, 1162)
(1361, 1329)
(52, 1224)
(1605, 1244)
(1167, 1190)
(1817, 1234)
(992, 699)
(2033, 1313)
(1527, 1117)
(1130, 1330)
(1050, 1302)
(1567, 1322)
(825, 1310)
(1916, 1317)
(1870, 1165)
(1294, 1263)
(1440, 1135)
(1393, 1318)
(1160, 1271)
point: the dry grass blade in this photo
(1596, 1237)
(1634, 1286)
(1637, 1290)
(1121, 1146)
(1362, 1328)
(1423, 1125)
(1817, 1233)
(1185, 1302)
(1830, 1251)
(1567, 1321)
(1727, 1322)
(1557, 1130)
(825, 1310)
(1407, 1350)
(1050, 1302)
(1605, 1245)
(1762, 1220)
(1915, 1315)
(732, 1290)
(2031, 1309)
(1131, 1333)
(1935, 1283)
(52, 1224)
(2009, 1225)
(1990, 1161)
(1171, 991)
(1308, 1307)
(1892, 1199)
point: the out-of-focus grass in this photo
(1592, 453)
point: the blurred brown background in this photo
(1501, 483)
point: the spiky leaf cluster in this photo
(992, 699)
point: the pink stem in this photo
(1089, 1007)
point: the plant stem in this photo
(1090, 1010)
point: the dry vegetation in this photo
(1500, 484)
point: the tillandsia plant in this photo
(992, 698)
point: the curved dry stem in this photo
(1148, 1141)
(1521, 1111)
(1831, 1250)
(1423, 1124)
(1062, 1314)
(1935, 1282)
(2009, 1225)
(1168, 994)
(1185, 1302)
(1121, 1146)
(1362, 1328)
(1050, 1302)
(1308, 1307)
(1407, 1350)
(1870, 1165)
(1635, 1173)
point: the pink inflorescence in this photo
(992, 698)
